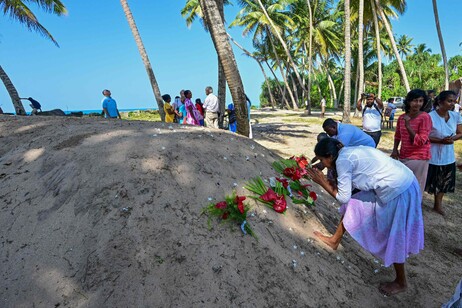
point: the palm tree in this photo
(190, 12)
(225, 53)
(379, 52)
(361, 46)
(347, 98)
(443, 50)
(144, 57)
(19, 11)
(404, 45)
(393, 44)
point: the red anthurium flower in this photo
(280, 204)
(221, 205)
(270, 195)
(225, 215)
(302, 162)
(293, 173)
(240, 207)
(299, 193)
(284, 182)
(313, 195)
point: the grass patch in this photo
(141, 115)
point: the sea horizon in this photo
(88, 111)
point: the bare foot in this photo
(439, 211)
(327, 240)
(391, 288)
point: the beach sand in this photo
(98, 213)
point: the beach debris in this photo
(252, 147)
(200, 136)
(247, 158)
(290, 229)
(252, 214)
(302, 253)
(264, 212)
(170, 127)
(210, 198)
(116, 196)
(294, 263)
(376, 271)
(217, 268)
(243, 227)
(376, 261)
(163, 148)
(154, 135)
(295, 246)
(234, 184)
(125, 209)
(225, 158)
(338, 258)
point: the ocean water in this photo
(100, 110)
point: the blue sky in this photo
(97, 51)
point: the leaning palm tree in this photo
(191, 11)
(347, 89)
(224, 50)
(144, 57)
(19, 11)
(443, 50)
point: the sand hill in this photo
(99, 213)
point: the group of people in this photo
(381, 195)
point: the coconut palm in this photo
(443, 50)
(404, 45)
(191, 11)
(347, 96)
(386, 23)
(19, 11)
(144, 57)
(215, 24)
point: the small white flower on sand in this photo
(116, 196)
(295, 247)
(264, 212)
(287, 206)
(225, 158)
(234, 184)
(302, 253)
(305, 212)
(343, 262)
(376, 271)
(211, 136)
(210, 198)
(163, 148)
(322, 191)
(247, 158)
(318, 253)
(338, 258)
(290, 229)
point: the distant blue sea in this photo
(100, 110)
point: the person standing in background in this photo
(211, 108)
(323, 107)
(110, 106)
(372, 116)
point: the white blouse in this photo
(443, 154)
(367, 168)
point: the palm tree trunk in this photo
(284, 98)
(144, 57)
(393, 44)
(379, 53)
(340, 92)
(443, 50)
(18, 107)
(294, 88)
(261, 67)
(332, 86)
(347, 98)
(221, 76)
(221, 42)
(278, 62)
(361, 47)
(310, 58)
(281, 40)
(357, 93)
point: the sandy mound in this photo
(101, 213)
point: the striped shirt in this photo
(420, 148)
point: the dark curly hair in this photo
(412, 95)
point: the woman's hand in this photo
(317, 176)
(395, 154)
(447, 140)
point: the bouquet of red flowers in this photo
(231, 210)
(274, 199)
(294, 169)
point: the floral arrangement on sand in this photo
(232, 210)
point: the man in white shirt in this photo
(372, 116)
(211, 108)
